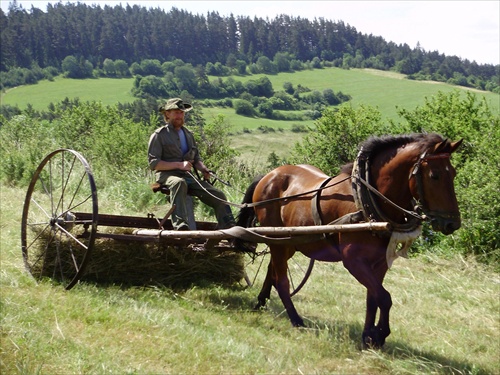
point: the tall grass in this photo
(445, 320)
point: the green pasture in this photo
(386, 91)
(107, 90)
(444, 320)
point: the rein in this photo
(363, 193)
(260, 203)
(387, 200)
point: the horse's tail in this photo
(246, 219)
(247, 214)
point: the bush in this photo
(299, 128)
(244, 108)
(335, 137)
(457, 116)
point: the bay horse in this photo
(402, 180)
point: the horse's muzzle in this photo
(446, 225)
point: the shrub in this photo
(244, 108)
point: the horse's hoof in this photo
(259, 306)
(373, 339)
(298, 323)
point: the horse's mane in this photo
(373, 145)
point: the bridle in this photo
(420, 204)
(364, 194)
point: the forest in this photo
(90, 41)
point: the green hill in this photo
(386, 91)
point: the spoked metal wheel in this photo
(55, 242)
(299, 270)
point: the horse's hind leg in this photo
(277, 276)
(265, 292)
(279, 258)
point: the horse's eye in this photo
(434, 175)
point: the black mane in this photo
(373, 145)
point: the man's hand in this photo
(186, 166)
(203, 169)
(206, 174)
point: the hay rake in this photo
(60, 224)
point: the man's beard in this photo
(177, 123)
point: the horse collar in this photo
(364, 192)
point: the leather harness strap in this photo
(316, 203)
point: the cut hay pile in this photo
(156, 264)
(152, 263)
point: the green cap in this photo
(175, 103)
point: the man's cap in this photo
(175, 103)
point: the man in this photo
(172, 154)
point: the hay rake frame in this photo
(61, 207)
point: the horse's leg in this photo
(377, 297)
(384, 301)
(279, 259)
(265, 292)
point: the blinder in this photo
(420, 203)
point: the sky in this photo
(467, 29)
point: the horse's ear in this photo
(455, 145)
(440, 146)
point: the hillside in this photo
(85, 41)
(386, 91)
(444, 321)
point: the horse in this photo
(402, 180)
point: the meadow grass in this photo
(109, 91)
(445, 320)
(386, 91)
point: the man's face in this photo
(176, 118)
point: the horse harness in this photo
(401, 235)
(362, 189)
(364, 197)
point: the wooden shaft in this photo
(272, 232)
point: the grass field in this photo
(385, 90)
(445, 320)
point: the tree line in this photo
(35, 44)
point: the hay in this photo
(148, 263)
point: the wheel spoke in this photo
(71, 236)
(54, 244)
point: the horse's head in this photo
(431, 184)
